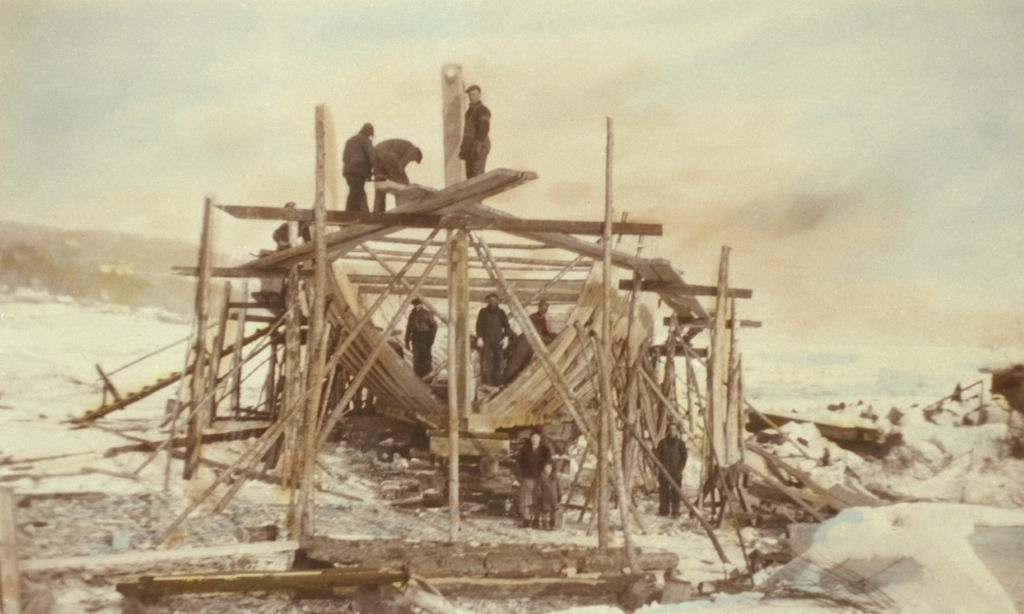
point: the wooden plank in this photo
(10, 576)
(420, 220)
(685, 289)
(136, 560)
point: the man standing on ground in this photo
(530, 462)
(672, 454)
(539, 319)
(357, 167)
(419, 336)
(391, 157)
(491, 327)
(475, 141)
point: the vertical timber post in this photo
(453, 107)
(314, 346)
(235, 385)
(218, 343)
(458, 380)
(604, 420)
(453, 102)
(718, 372)
(197, 403)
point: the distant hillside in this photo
(92, 265)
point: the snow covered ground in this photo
(48, 348)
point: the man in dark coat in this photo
(476, 143)
(419, 336)
(491, 328)
(357, 167)
(530, 462)
(391, 157)
(539, 319)
(672, 454)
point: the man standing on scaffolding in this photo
(475, 141)
(357, 167)
(491, 328)
(419, 336)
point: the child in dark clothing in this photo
(550, 499)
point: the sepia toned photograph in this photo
(511, 308)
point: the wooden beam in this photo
(477, 295)
(520, 284)
(244, 272)
(452, 221)
(466, 192)
(402, 241)
(709, 323)
(684, 289)
(680, 350)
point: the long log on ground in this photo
(312, 584)
(447, 560)
(139, 559)
(596, 588)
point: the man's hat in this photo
(538, 430)
(492, 295)
(416, 301)
(367, 129)
(473, 87)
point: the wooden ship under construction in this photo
(622, 364)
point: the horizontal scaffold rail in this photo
(684, 289)
(418, 220)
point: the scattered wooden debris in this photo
(839, 433)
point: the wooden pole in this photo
(458, 369)
(718, 369)
(316, 347)
(235, 385)
(604, 422)
(453, 108)
(288, 462)
(616, 461)
(198, 411)
(10, 579)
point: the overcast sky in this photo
(864, 160)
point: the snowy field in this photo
(919, 554)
